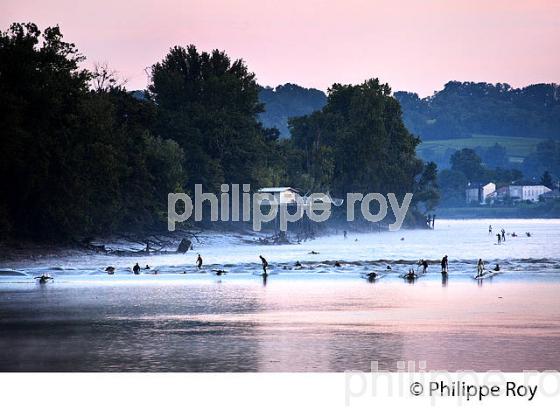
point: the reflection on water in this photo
(285, 326)
(318, 315)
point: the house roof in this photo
(473, 185)
(527, 185)
(278, 189)
(552, 194)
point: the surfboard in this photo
(376, 277)
(262, 274)
(486, 274)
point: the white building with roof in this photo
(527, 192)
(479, 193)
(286, 195)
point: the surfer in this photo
(499, 238)
(264, 264)
(479, 268)
(44, 278)
(503, 235)
(410, 275)
(298, 265)
(497, 267)
(110, 270)
(371, 276)
(337, 264)
(424, 264)
(489, 229)
(199, 262)
(345, 234)
(219, 272)
(136, 269)
(444, 265)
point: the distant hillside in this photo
(461, 110)
(495, 151)
(288, 100)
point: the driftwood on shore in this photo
(152, 245)
(184, 246)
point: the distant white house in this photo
(479, 193)
(523, 193)
(286, 195)
(527, 192)
(291, 196)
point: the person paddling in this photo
(264, 264)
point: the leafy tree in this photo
(209, 105)
(452, 185)
(494, 156)
(427, 190)
(545, 158)
(462, 109)
(287, 101)
(41, 88)
(546, 180)
(357, 143)
(77, 162)
(467, 162)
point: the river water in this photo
(320, 317)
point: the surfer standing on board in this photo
(444, 265)
(479, 267)
(264, 264)
(424, 264)
(199, 261)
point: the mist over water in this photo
(317, 318)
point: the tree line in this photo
(83, 156)
(465, 108)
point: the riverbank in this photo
(484, 212)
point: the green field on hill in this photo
(517, 147)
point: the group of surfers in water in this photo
(410, 275)
(199, 262)
(501, 235)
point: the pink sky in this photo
(415, 45)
